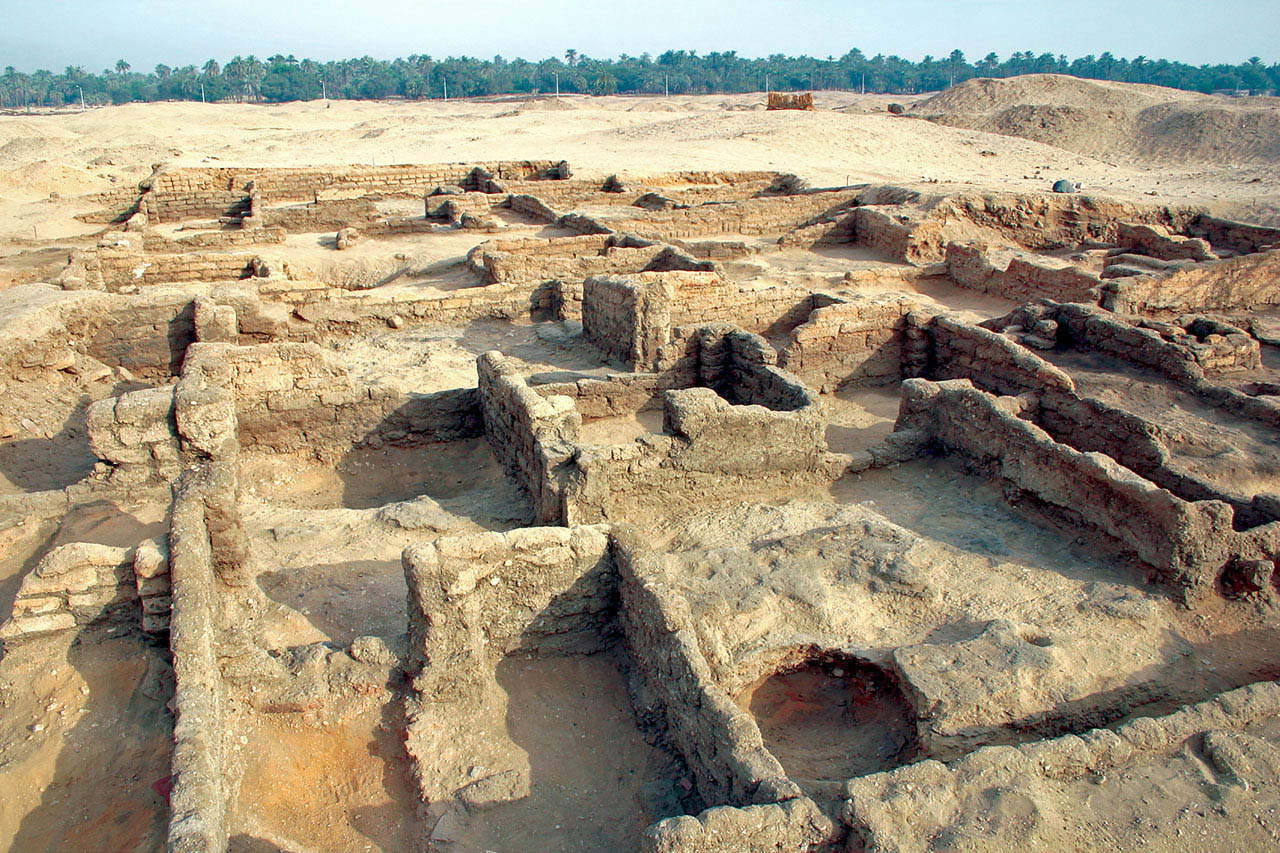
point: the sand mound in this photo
(37, 180)
(1117, 121)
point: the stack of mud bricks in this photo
(73, 585)
(155, 589)
(135, 433)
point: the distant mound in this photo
(1113, 121)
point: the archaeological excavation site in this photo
(490, 506)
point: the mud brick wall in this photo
(323, 215)
(146, 334)
(338, 312)
(751, 376)
(714, 451)
(855, 342)
(409, 225)
(44, 328)
(73, 585)
(165, 205)
(974, 265)
(137, 434)
(120, 269)
(720, 437)
(1048, 221)
(1165, 348)
(908, 807)
(994, 363)
(620, 394)
(796, 825)
(41, 328)
(1244, 282)
(1156, 242)
(1187, 543)
(610, 261)
(673, 689)
(897, 233)
(303, 183)
(453, 207)
(474, 599)
(198, 802)
(117, 205)
(155, 242)
(291, 397)
(756, 216)
(628, 318)
(511, 260)
(531, 435)
(709, 298)
(1238, 236)
(533, 207)
(1139, 445)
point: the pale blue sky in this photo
(95, 33)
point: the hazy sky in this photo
(95, 33)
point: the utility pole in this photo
(556, 75)
(446, 88)
(767, 90)
(82, 106)
(324, 91)
(202, 100)
(864, 82)
(666, 85)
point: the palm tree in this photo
(122, 67)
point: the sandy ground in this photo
(48, 160)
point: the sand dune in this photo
(1114, 121)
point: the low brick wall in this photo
(73, 585)
(907, 808)
(120, 269)
(994, 362)
(673, 686)
(853, 341)
(474, 599)
(531, 435)
(1187, 543)
(754, 216)
(977, 266)
(199, 798)
(1245, 282)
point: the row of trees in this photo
(285, 78)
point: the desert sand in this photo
(48, 160)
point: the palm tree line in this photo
(282, 78)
